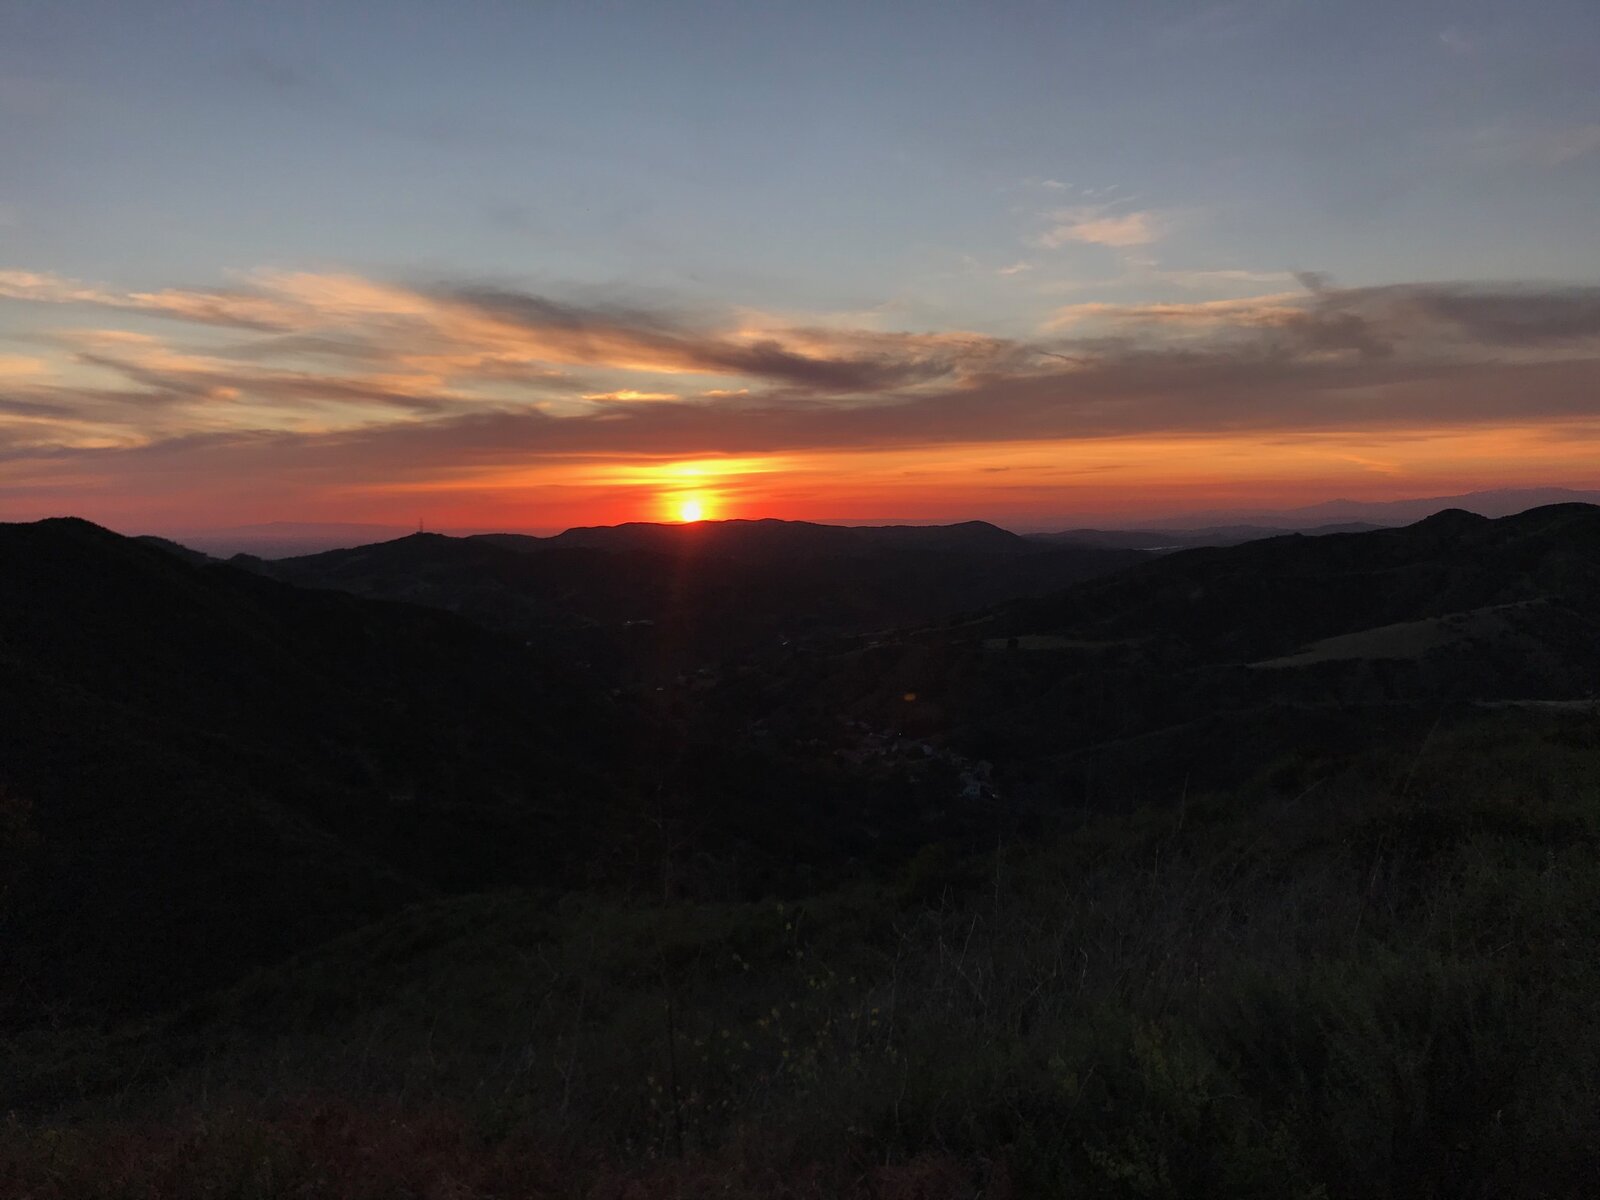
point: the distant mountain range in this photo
(1162, 541)
(281, 539)
(1500, 502)
(286, 539)
(772, 540)
(642, 599)
(664, 598)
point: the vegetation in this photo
(353, 899)
(1376, 985)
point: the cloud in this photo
(1016, 268)
(628, 395)
(1251, 311)
(334, 381)
(245, 308)
(1099, 225)
(1526, 316)
(329, 354)
(473, 331)
(47, 289)
(18, 366)
(1217, 277)
(1427, 318)
(819, 360)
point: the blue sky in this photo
(824, 157)
(925, 168)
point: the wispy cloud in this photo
(1427, 319)
(334, 381)
(1101, 225)
(1213, 278)
(473, 331)
(628, 396)
(17, 366)
(1251, 310)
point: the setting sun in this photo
(690, 509)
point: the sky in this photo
(533, 265)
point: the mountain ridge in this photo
(665, 598)
(276, 539)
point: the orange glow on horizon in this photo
(1042, 484)
(1019, 484)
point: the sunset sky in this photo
(531, 265)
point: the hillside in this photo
(1243, 870)
(1494, 502)
(221, 768)
(1368, 989)
(1202, 665)
(205, 770)
(1271, 593)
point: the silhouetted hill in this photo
(1242, 866)
(217, 768)
(280, 539)
(663, 598)
(767, 540)
(221, 767)
(1495, 502)
(1267, 596)
(1166, 540)
(1213, 663)
(171, 547)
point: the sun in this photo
(687, 507)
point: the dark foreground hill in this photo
(1376, 988)
(659, 599)
(217, 768)
(203, 770)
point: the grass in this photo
(1373, 978)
